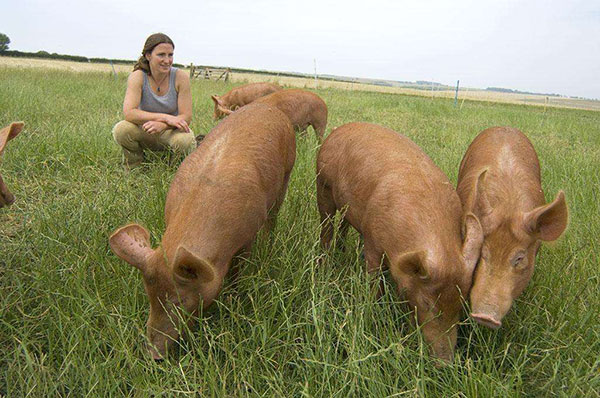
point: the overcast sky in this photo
(541, 46)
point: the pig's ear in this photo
(472, 240)
(187, 267)
(478, 200)
(548, 221)
(412, 264)
(215, 98)
(132, 244)
(10, 132)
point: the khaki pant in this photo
(133, 139)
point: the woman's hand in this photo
(154, 127)
(177, 123)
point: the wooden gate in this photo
(209, 73)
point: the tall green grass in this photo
(72, 315)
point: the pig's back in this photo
(374, 152)
(504, 149)
(284, 100)
(250, 92)
(510, 159)
(378, 172)
(247, 153)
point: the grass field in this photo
(310, 83)
(72, 314)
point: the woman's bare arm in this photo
(153, 122)
(133, 96)
(184, 99)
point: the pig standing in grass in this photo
(240, 96)
(410, 217)
(302, 107)
(499, 181)
(7, 134)
(220, 197)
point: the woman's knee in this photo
(123, 132)
(183, 142)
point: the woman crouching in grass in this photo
(157, 105)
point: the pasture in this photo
(72, 314)
(308, 82)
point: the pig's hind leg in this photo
(341, 235)
(327, 211)
(271, 221)
(319, 125)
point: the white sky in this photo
(542, 46)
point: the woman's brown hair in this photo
(152, 41)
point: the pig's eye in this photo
(518, 258)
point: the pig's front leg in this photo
(374, 263)
(234, 271)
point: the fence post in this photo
(456, 94)
(113, 68)
(191, 71)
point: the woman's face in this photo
(161, 58)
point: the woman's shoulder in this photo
(182, 79)
(136, 77)
(181, 75)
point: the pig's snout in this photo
(158, 349)
(7, 199)
(160, 343)
(445, 353)
(441, 343)
(487, 320)
(156, 356)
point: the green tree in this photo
(4, 42)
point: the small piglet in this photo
(7, 134)
(220, 197)
(410, 217)
(240, 96)
(499, 181)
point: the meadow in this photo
(415, 89)
(72, 314)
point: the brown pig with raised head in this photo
(7, 134)
(220, 197)
(410, 217)
(499, 181)
(240, 96)
(302, 107)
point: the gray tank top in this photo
(167, 103)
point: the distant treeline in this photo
(76, 58)
(79, 58)
(419, 83)
(508, 90)
(427, 83)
